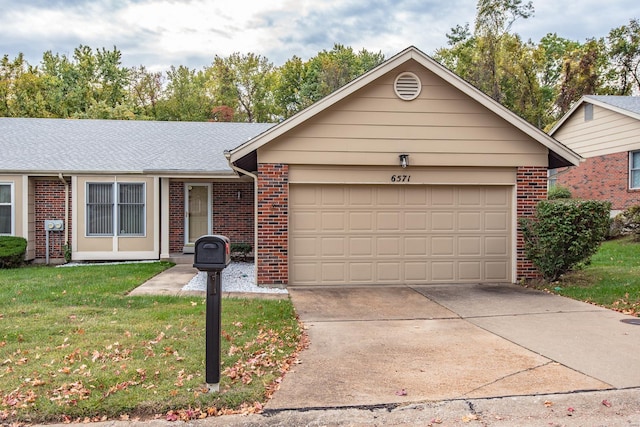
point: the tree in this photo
(245, 82)
(185, 96)
(623, 51)
(580, 74)
(145, 91)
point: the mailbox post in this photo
(212, 254)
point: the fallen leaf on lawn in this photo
(470, 417)
(606, 403)
(548, 403)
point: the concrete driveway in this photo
(384, 345)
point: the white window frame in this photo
(115, 214)
(12, 205)
(633, 171)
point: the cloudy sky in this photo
(161, 33)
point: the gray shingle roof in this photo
(58, 145)
(629, 103)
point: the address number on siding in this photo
(400, 178)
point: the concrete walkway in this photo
(396, 345)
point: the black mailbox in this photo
(212, 253)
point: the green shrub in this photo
(240, 251)
(12, 250)
(627, 222)
(564, 233)
(558, 192)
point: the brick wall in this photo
(49, 203)
(273, 227)
(531, 187)
(232, 211)
(231, 216)
(602, 178)
(176, 216)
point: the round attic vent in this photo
(407, 86)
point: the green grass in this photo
(75, 346)
(611, 279)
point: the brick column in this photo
(273, 224)
(531, 188)
(48, 204)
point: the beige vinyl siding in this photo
(609, 132)
(442, 127)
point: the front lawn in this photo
(75, 347)
(612, 278)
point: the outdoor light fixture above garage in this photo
(404, 160)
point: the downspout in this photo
(66, 208)
(227, 154)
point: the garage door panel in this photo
(388, 221)
(361, 221)
(442, 271)
(470, 221)
(415, 221)
(304, 221)
(333, 196)
(388, 272)
(416, 246)
(333, 246)
(332, 221)
(394, 234)
(442, 221)
(361, 272)
(442, 246)
(304, 247)
(470, 246)
(496, 221)
(388, 246)
(333, 272)
(496, 245)
(497, 271)
(470, 270)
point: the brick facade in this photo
(531, 187)
(601, 178)
(273, 224)
(231, 212)
(49, 204)
(273, 211)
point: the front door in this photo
(197, 212)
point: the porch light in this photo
(404, 160)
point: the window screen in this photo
(131, 209)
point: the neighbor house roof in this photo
(627, 105)
(42, 146)
(559, 155)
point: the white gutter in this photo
(227, 155)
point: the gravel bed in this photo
(237, 277)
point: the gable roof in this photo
(45, 146)
(559, 155)
(626, 105)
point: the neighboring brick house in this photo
(124, 190)
(406, 175)
(605, 130)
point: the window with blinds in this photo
(108, 202)
(6, 209)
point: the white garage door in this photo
(385, 234)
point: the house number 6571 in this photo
(400, 178)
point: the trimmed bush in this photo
(12, 250)
(558, 192)
(564, 233)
